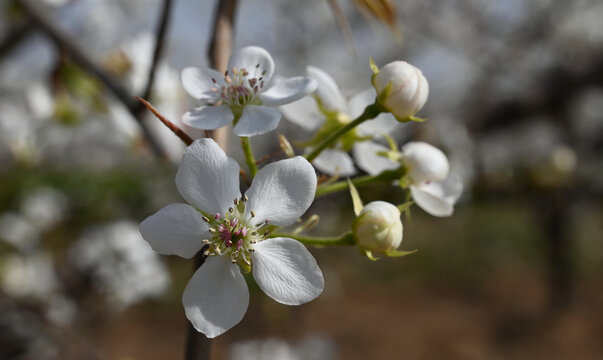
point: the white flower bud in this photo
(424, 162)
(402, 89)
(378, 227)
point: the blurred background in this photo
(516, 102)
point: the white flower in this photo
(432, 187)
(328, 110)
(378, 227)
(243, 94)
(121, 262)
(234, 231)
(402, 89)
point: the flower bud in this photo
(424, 162)
(402, 89)
(378, 227)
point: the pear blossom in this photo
(378, 227)
(244, 94)
(402, 89)
(232, 231)
(431, 185)
(327, 110)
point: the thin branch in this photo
(170, 125)
(159, 46)
(14, 37)
(343, 25)
(64, 42)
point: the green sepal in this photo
(374, 67)
(405, 206)
(356, 200)
(411, 118)
(391, 142)
(369, 254)
(399, 253)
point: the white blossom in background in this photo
(313, 347)
(17, 230)
(121, 262)
(402, 89)
(44, 207)
(378, 227)
(29, 275)
(244, 94)
(235, 229)
(432, 187)
(328, 109)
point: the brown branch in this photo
(170, 125)
(14, 37)
(159, 46)
(64, 42)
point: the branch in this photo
(63, 41)
(159, 46)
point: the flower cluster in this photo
(238, 233)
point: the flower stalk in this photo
(246, 145)
(346, 239)
(385, 176)
(370, 112)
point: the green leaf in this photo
(399, 253)
(356, 200)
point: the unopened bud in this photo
(402, 89)
(378, 227)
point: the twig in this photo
(159, 46)
(14, 37)
(64, 42)
(170, 125)
(342, 24)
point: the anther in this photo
(245, 198)
(254, 233)
(217, 216)
(252, 213)
(230, 209)
(257, 66)
(205, 219)
(204, 241)
(265, 233)
(206, 253)
(234, 222)
(236, 201)
(214, 80)
(212, 230)
(233, 261)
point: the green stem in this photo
(246, 145)
(385, 176)
(370, 112)
(345, 239)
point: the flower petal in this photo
(176, 229)
(256, 60)
(365, 154)
(359, 102)
(305, 113)
(207, 178)
(199, 82)
(286, 271)
(216, 297)
(438, 197)
(281, 191)
(257, 120)
(335, 162)
(328, 91)
(382, 124)
(287, 91)
(208, 117)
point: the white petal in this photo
(257, 120)
(216, 297)
(359, 102)
(199, 82)
(282, 191)
(208, 117)
(249, 58)
(335, 162)
(305, 113)
(328, 91)
(176, 229)
(424, 162)
(365, 154)
(207, 178)
(438, 197)
(286, 271)
(288, 91)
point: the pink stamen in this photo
(217, 217)
(239, 244)
(244, 231)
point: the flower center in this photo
(241, 87)
(232, 236)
